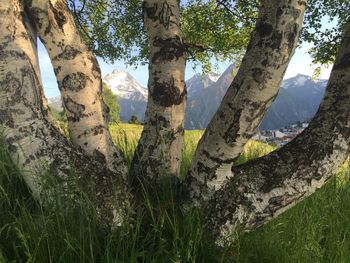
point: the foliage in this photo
(113, 29)
(325, 39)
(210, 28)
(58, 115)
(316, 230)
(217, 29)
(134, 120)
(111, 101)
(61, 120)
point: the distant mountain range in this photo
(297, 100)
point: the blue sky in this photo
(300, 64)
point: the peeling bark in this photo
(249, 96)
(159, 152)
(263, 188)
(33, 141)
(79, 80)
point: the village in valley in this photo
(281, 136)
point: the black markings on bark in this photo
(73, 108)
(74, 81)
(258, 75)
(68, 53)
(166, 93)
(34, 14)
(232, 132)
(95, 67)
(291, 36)
(60, 17)
(265, 62)
(99, 129)
(279, 13)
(264, 29)
(159, 121)
(276, 40)
(209, 171)
(217, 159)
(57, 70)
(170, 49)
(99, 157)
(295, 12)
(163, 14)
(11, 54)
(150, 11)
(276, 200)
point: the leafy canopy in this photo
(323, 28)
(211, 29)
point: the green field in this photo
(315, 230)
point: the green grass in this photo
(315, 230)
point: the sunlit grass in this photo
(315, 230)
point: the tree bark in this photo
(79, 80)
(33, 141)
(249, 96)
(263, 188)
(159, 151)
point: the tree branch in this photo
(263, 188)
(79, 79)
(252, 91)
(34, 143)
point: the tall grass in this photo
(316, 230)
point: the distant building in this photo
(282, 136)
(279, 134)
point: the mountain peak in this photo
(200, 82)
(214, 76)
(125, 86)
(299, 75)
(117, 73)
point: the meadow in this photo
(315, 230)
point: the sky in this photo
(301, 63)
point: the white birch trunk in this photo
(159, 152)
(33, 141)
(249, 96)
(79, 80)
(264, 188)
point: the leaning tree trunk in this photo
(79, 80)
(33, 141)
(249, 96)
(262, 189)
(159, 152)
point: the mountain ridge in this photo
(297, 100)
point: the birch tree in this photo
(232, 197)
(33, 141)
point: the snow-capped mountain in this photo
(199, 82)
(125, 86)
(204, 97)
(213, 76)
(297, 100)
(132, 97)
